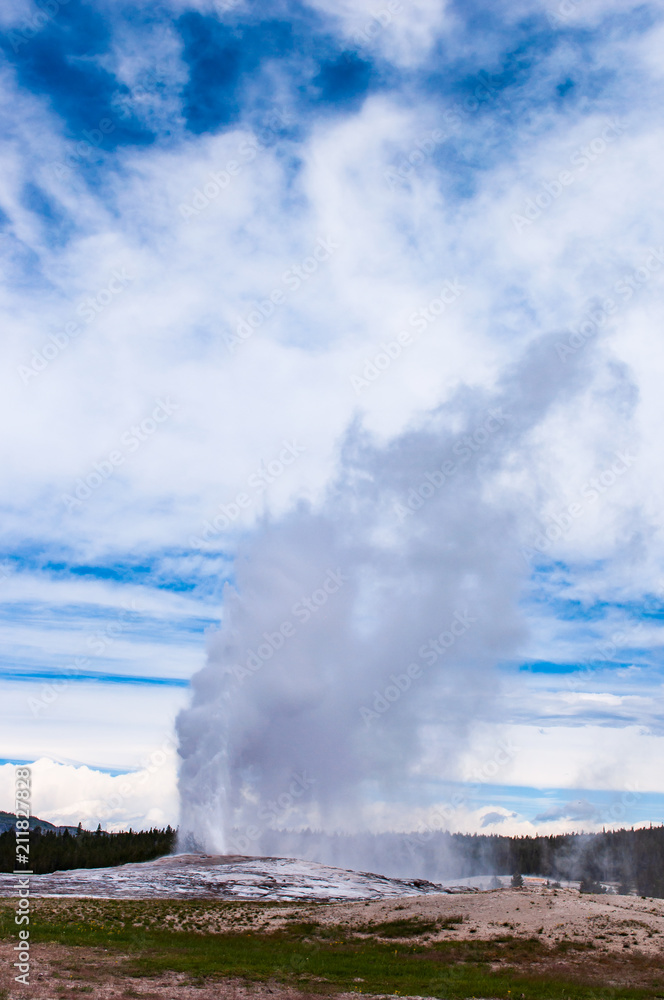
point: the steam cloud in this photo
(357, 624)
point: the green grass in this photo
(410, 927)
(318, 957)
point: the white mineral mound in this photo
(196, 876)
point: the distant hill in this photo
(7, 821)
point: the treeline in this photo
(52, 850)
(632, 859)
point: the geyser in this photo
(358, 626)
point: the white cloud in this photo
(582, 756)
(110, 726)
(67, 795)
(401, 32)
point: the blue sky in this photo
(213, 217)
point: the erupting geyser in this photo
(361, 626)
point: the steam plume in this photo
(307, 712)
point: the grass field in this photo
(286, 944)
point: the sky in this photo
(265, 270)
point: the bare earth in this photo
(551, 914)
(618, 925)
(51, 977)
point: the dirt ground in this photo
(626, 931)
(611, 922)
(54, 975)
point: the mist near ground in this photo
(629, 860)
